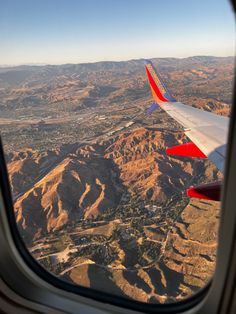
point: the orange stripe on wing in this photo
(154, 95)
(155, 87)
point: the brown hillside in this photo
(98, 178)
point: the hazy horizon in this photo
(98, 61)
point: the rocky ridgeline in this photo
(56, 187)
(114, 216)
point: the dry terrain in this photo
(97, 200)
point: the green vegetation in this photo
(62, 242)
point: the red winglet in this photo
(155, 86)
(188, 149)
(210, 191)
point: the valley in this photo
(97, 200)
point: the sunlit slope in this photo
(124, 223)
(78, 187)
(150, 268)
(91, 180)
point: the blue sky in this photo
(75, 31)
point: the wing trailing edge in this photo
(159, 91)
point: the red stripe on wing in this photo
(188, 149)
(210, 191)
(155, 87)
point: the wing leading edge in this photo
(206, 130)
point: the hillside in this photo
(122, 205)
(97, 200)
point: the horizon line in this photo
(99, 61)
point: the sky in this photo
(77, 31)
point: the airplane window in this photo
(114, 121)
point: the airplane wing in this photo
(206, 130)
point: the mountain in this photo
(116, 210)
(94, 178)
(97, 200)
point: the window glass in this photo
(98, 200)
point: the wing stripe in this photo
(153, 84)
(187, 149)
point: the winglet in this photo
(159, 90)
